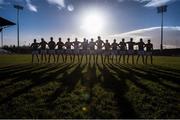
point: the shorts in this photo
(43, 51)
(76, 51)
(60, 51)
(148, 53)
(99, 51)
(130, 52)
(35, 52)
(84, 52)
(68, 51)
(122, 52)
(91, 52)
(114, 52)
(140, 52)
(107, 52)
(51, 51)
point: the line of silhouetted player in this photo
(92, 49)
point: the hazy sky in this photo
(63, 18)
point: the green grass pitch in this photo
(88, 90)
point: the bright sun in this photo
(93, 23)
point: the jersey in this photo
(60, 45)
(35, 46)
(131, 45)
(99, 44)
(114, 46)
(76, 44)
(68, 45)
(149, 47)
(52, 45)
(43, 45)
(107, 46)
(92, 45)
(84, 45)
(141, 46)
(122, 46)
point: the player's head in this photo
(131, 39)
(68, 39)
(34, 40)
(84, 39)
(59, 39)
(87, 40)
(92, 40)
(114, 40)
(106, 41)
(42, 39)
(149, 41)
(51, 38)
(123, 39)
(141, 40)
(76, 39)
(99, 37)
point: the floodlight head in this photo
(162, 9)
(18, 7)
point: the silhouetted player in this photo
(122, 51)
(43, 50)
(84, 50)
(149, 50)
(76, 49)
(141, 46)
(99, 44)
(35, 51)
(60, 50)
(130, 50)
(51, 51)
(68, 45)
(107, 53)
(114, 46)
(92, 49)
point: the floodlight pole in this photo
(18, 7)
(161, 10)
(1, 37)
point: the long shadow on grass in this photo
(37, 78)
(154, 75)
(68, 83)
(27, 73)
(119, 87)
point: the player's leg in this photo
(124, 56)
(116, 56)
(137, 58)
(32, 57)
(151, 56)
(41, 57)
(54, 57)
(143, 58)
(49, 57)
(37, 56)
(132, 58)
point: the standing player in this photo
(99, 44)
(60, 50)
(84, 51)
(43, 50)
(35, 51)
(149, 50)
(130, 50)
(68, 45)
(141, 46)
(92, 49)
(76, 49)
(122, 51)
(107, 46)
(51, 46)
(114, 46)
